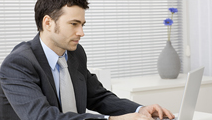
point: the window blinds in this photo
(125, 36)
(16, 24)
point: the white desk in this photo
(168, 93)
(202, 116)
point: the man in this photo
(31, 77)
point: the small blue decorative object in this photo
(168, 22)
(173, 10)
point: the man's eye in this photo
(74, 24)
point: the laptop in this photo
(190, 95)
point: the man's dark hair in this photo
(53, 9)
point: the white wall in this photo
(200, 34)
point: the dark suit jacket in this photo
(28, 90)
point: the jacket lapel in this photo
(41, 58)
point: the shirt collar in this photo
(51, 56)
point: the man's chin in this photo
(73, 48)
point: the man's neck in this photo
(48, 42)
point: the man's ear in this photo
(47, 23)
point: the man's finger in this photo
(159, 111)
(168, 113)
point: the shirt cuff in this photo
(137, 110)
(106, 117)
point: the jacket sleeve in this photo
(104, 101)
(98, 98)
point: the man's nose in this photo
(80, 32)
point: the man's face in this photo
(67, 31)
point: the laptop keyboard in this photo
(165, 118)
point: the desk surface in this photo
(152, 82)
(201, 116)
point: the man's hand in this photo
(156, 110)
(130, 116)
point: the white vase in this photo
(168, 62)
